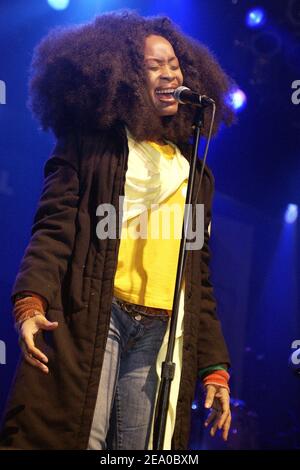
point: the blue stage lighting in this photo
(256, 18)
(237, 99)
(291, 213)
(59, 4)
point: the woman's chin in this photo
(168, 113)
(168, 110)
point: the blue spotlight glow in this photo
(237, 99)
(256, 18)
(59, 4)
(291, 213)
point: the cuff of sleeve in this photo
(208, 370)
(24, 294)
(219, 378)
(28, 307)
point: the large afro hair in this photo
(91, 76)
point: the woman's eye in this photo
(155, 68)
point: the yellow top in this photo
(149, 248)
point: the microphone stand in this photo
(168, 366)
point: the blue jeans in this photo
(127, 390)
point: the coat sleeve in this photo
(46, 257)
(212, 349)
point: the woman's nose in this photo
(167, 73)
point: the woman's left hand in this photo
(218, 399)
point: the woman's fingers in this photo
(30, 358)
(223, 417)
(210, 395)
(31, 349)
(210, 418)
(222, 421)
(213, 419)
(30, 327)
(226, 427)
(215, 423)
(32, 354)
(45, 324)
(34, 362)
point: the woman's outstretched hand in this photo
(218, 399)
(27, 331)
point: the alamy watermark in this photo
(295, 356)
(2, 92)
(166, 222)
(2, 352)
(2, 101)
(296, 94)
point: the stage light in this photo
(255, 18)
(291, 213)
(237, 99)
(59, 4)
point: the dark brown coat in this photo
(74, 270)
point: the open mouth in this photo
(165, 94)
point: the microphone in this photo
(184, 95)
